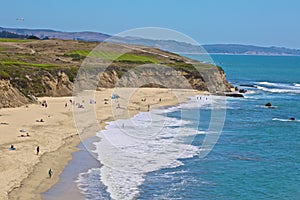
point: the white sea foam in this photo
(267, 83)
(296, 84)
(149, 141)
(279, 90)
(285, 120)
(129, 153)
(250, 92)
(82, 182)
(278, 87)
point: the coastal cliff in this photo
(35, 68)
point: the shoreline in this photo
(36, 182)
(33, 186)
(67, 187)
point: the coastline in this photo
(36, 180)
(67, 187)
(33, 186)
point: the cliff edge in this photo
(33, 68)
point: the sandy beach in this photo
(24, 174)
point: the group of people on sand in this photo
(26, 134)
(79, 105)
(269, 105)
(200, 98)
(40, 120)
(12, 147)
(50, 172)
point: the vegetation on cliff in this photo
(49, 67)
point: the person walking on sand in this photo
(37, 150)
(50, 173)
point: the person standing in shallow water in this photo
(50, 173)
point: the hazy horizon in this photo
(267, 23)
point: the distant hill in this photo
(186, 48)
(43, 33)
(167, 45)
(249, 49)
(6, 34)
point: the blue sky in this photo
(257, 22)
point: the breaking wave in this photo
(278, 87)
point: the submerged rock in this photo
(248, 85)
(268, 104)
(234, 95)
(242, 91)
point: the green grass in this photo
(113, 56)
(2, 48)
(4, 75)
(18, 63)
(138, 58)
(13, 40)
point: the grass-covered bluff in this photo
(49, 67)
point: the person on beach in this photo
(148, 107)
(50, 172)
(37, 150)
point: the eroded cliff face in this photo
(19, 91)
(11, 96)
(212, 79)
(44, 83)
(56, 86)
(49, 68)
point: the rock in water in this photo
(268, 104)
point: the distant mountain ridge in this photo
(168, 45)
(249, 50)
(42, 33)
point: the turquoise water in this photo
(258, 153)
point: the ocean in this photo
(256, 155)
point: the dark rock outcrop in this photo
(234, 95)
(248, 85)
(268, 104)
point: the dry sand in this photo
(23, 174)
